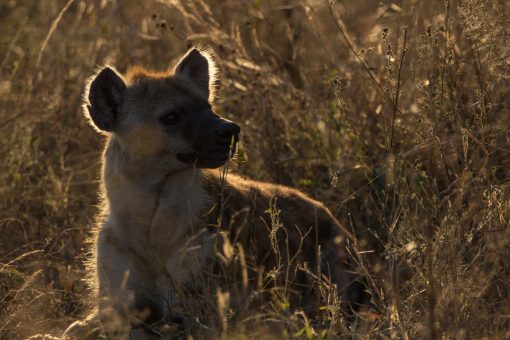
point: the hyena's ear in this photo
(103, 98)
(199, 68)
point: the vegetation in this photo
(395, 114)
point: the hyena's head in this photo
(164, 117)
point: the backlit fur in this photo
(170, 232)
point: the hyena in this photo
(176, 226)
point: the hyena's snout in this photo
(222, 141)
(227, 132)
(214, 141)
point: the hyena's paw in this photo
(82, 330)
(173, 326)
(143, 334)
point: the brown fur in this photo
(172, 232)
(280, 229)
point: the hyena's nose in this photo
(226, 130)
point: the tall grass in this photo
(396, 115)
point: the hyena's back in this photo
(281, 231)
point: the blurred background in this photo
(394, 113)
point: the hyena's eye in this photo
(170, 118)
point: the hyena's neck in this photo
(155, 208)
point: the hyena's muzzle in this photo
(213, 139)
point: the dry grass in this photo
(394, 114)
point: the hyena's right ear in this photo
(199, 68)
(103, 98)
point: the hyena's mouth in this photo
(209, 160)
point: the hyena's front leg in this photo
(87, 329)
(127, 291)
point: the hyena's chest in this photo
(187, 266)
(180, 236)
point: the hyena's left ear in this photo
(199, 68)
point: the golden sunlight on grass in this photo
(394, 114)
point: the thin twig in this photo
(397, 94)
(431, 286)
(52, 30)
(445, 51)
(223, 179)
